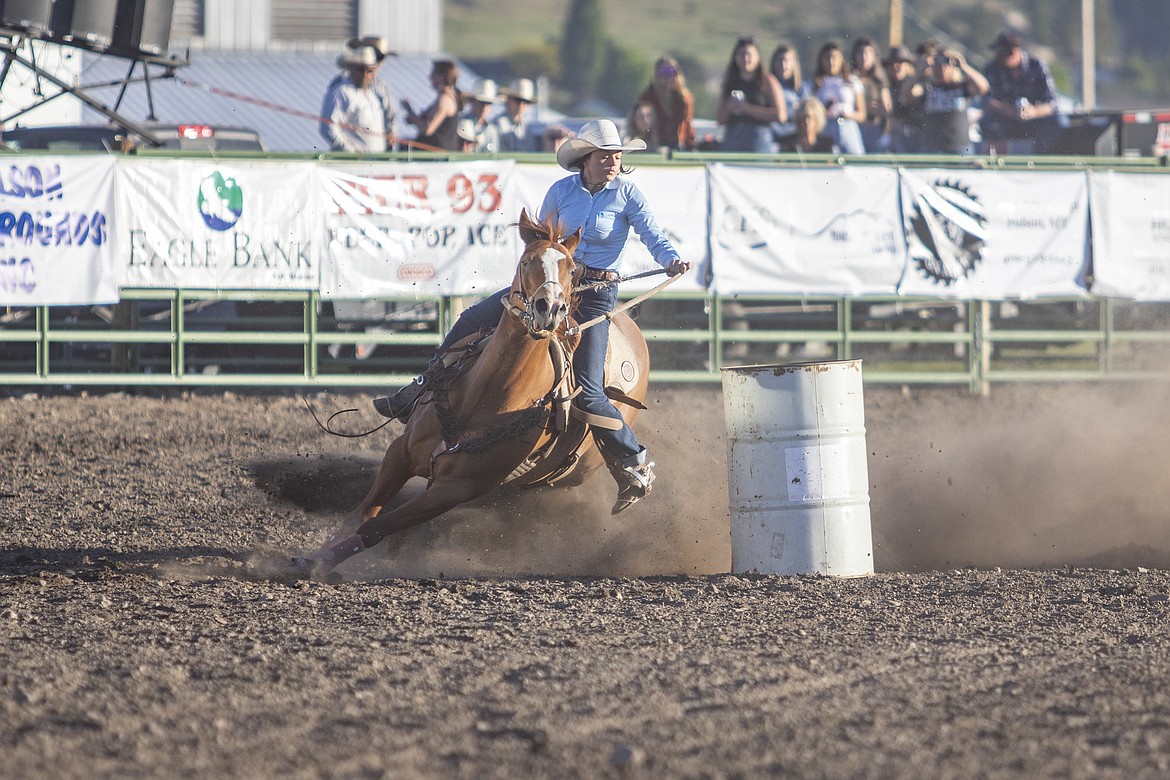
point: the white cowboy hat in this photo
(596, 134)
(380, 45)
(484, 91)
(521, 89)
(362, 57)
(466, 130)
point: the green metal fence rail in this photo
(293, 339)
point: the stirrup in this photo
(400, 405)
(634, 484)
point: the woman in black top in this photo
(438, 122)
(750, 101)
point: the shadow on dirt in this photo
(321, 484)
(63, 566)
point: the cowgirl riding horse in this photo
(601, 203)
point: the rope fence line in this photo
(391, 138)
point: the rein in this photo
(598, 285)
(327, 425)
(628, 304)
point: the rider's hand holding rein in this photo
(678, 266)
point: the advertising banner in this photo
(217, 224)
(55, 231)
(831, 231)
(1131, 235)
(995, 234)
(418, 228)
(677, 198)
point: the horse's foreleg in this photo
(441, 496)
(392, 476)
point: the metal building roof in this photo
(277, 93)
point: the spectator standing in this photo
(553, 137)
(480, 102)
(841, 93)
(1019, 111)
(359, 106)
(785, 66)
(947, 90)
(925, 52)
(515, 125)
(672, 104)
(438, 122)
(750, 102)
(809, 137)
(640, 124)
(906, 108)
(875, 87)
(465, 132)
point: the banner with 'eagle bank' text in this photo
(217, 224)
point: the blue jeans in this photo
(588, 364)
(485, 314)
(748, 137)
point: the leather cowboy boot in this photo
(400, 405)
(633, 482)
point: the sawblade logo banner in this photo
(995, 234)
(948, 229)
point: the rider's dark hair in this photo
(578, 165)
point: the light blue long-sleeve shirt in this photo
(606, 218)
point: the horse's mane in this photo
(550, 228)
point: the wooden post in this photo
(1088, 55)
(895, 23)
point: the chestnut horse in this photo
(504, 418)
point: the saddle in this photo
(567, 425)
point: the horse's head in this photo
(545, 276)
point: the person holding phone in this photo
(438, 123)
(751, 102)
(947, 90)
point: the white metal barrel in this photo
(797, 473)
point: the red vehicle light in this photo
(194, 132)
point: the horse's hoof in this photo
(312, 569)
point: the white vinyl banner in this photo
(1131, 235)
(829, 231)
(419, 228)
(995, 234)
(217, 224)
(677, 198)
(55, 221)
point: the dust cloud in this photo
(1032, 476)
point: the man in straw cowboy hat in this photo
(514, 124)
(483, 97)
(605, 205)
(358, 105)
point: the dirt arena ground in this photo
(1016, 627)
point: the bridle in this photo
(527, 315)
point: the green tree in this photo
(582, 44)
(534, 60)
(626, 72)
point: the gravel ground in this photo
(1016, 626)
